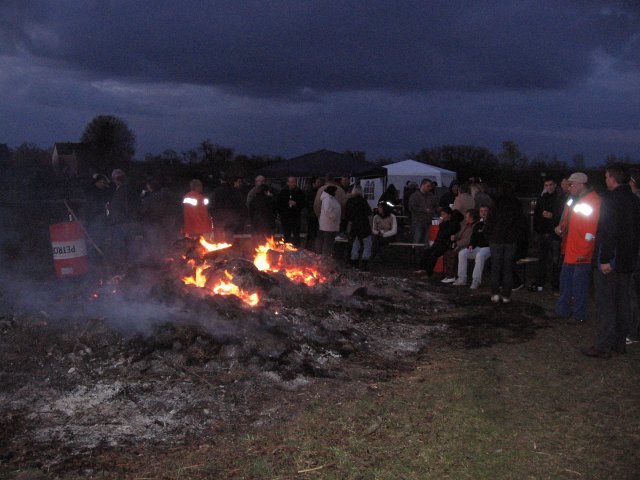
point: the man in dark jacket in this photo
(546, 217)
(160, 217)
(359, 217)
(617, 240)
(123, 214)
(504, 229)
(229, 211)
(289, 204)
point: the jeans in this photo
(574, 284)
(614, 309)
(502, 258)
(365, 245)
(480, 255)
(549, 252)
(420, 231)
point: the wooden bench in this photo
(412, 246)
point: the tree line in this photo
(110, 143)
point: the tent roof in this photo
(411, 167)
(320, 163)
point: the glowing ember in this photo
(308, 275)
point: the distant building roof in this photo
(322, 162)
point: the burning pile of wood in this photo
(217, 273)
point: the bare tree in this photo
(109, 141)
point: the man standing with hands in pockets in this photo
(616, 253)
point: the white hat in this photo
(578, 177)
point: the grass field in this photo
(537, 409)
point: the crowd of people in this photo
(580, 235)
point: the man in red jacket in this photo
(577, 228)
(197, 221)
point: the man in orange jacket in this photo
(577, 228)
(197, 221)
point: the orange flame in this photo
(199, 280)
(300, 274)
(230, 288)
(222, 287)
(212, 247)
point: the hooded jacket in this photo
(330, 212)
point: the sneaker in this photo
(461, 282)
(518, 287)
(630, 340)
(506, 299)
(448, 280)
(534, 287)
(495, 298)
(474, 285)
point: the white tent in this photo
(400, 173)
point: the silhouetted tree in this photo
(5, 153)
(109, 142)
(511, 156)
(466, 160)
(215, 155)
(579, 161)
(29, 155)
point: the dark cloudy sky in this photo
(290, 77)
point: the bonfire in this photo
(271, 257)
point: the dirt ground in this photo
(335, 381)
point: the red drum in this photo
(69, 249)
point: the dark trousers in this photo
(614, 309)
(548, 256)
(430, 256)
(502, 262)
(291, 230)
(312, 233)
(325, 242)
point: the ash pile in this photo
(200, 344)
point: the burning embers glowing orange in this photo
(223, 287)
(297, 273)
(308, 275)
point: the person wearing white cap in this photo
(577, 228)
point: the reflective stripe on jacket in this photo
(196, 214)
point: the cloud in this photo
(291, 47)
